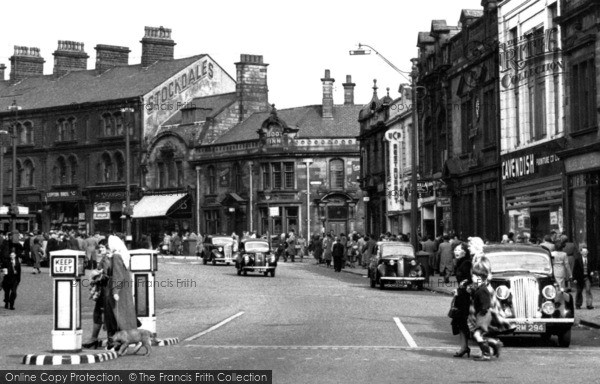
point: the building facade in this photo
(532, 116)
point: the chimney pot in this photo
(156, 45)
(69, 56)
(349, 91)
(2, 70)
(327, 95)
(26, 62)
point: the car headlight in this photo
(549, 292)
(548, 308)
(220, 249)
(246, 258)
(502, 292)
(272, 258)
(391, 262)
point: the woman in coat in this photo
(462, 298)
(327, 249)
(36, 254)
(119, 309)
(560, 264)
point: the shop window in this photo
(336, 174)
(583, 95)
(212, 180)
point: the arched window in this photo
(72, 176)
(106, 168)
(27, 180)
(236, 178)
(20, 174)
(212, 180)
(179, 166)
(25, 133)
(61, 127)
(60, 171)
(71, 127)
(120, 163)
(336, 173)
(118, 124)
(161, 168)
(108, 125)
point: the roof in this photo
(89, 86)
(307, 119)
(439, 25)
(471, 13)
(514, 248)
(425, 37)
(207, 107)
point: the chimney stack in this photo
(26, 62)
(109, 56)
(251, 85)
(2, 70)
(156, 45)
(327, 95)
(69, 56)
(349, 91)
(489, 5)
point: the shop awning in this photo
(155, 205)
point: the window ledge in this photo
(582, 132)
(25, 145)
(112, 138)
(26, 188)
(65, 142)
(109, 183)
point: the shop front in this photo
(532, 184)
(107, 211)
(160, 213)
(64, 210)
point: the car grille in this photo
(525, 291)
(227, 252)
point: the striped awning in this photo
(156, 205)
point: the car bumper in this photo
(409, 279)
(259, 269)
(228, 260)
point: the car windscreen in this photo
(520, 261)
(221, 241)
(396, 250)
(256, 246)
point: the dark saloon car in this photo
(392, 264)
(221, 249)
(255, 256)
(524, 284)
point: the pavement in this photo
(583, 316)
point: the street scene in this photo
(310, 193)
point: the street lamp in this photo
(267, 198)
(127, 113)
(413, 74)
(14, 209)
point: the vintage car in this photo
(218, 248)
(392, 264)
(525, 287)
(255, 255)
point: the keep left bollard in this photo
(66, 268)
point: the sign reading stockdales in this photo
(530, 56)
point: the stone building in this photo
(70, 127)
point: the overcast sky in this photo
(298, 39)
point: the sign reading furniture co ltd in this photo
(525, 165)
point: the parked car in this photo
(256, 256)
(392, 264)
(219, 248)
(524, 284)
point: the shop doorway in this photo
(338, 227)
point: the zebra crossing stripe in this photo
(68, 359)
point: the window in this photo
(25, 133)
(108, 125)
(72, 127)
(489, 111)
(428, 145)
(60, 172)
(211, 221)
(120, 165)
(179, 169)
(583, 95)
(212, 180)
(336, 174)
(106, 168)
(276, 173)
(20, 172)
(266, 180)
(72, 170)
(27, 176)
(466, 125)
(289, 175)
(537, 110)
(118, 124)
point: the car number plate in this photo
(534, 328)
(400, 284)
(262, 270)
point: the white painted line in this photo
(405, 333)
(214, 327)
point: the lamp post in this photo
(14, 211)
(127, 113)
(267, 198)
(413, 75)
(307, 162)
(2, 132)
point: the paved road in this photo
(308, 324)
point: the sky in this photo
(298, 39)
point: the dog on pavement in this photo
(139, 337)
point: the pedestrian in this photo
(430, 246)
(166, 243)
(337, 252)
(291, 245)
(570, 249)
(119, 309)
(462, 299)
(548, 244)
(560, 265)
(327, 247)
(446, 258)
(481, 317)
(175, 243)
(12, 278)
(301, 246)
(90, 245)
(582, 278)
(98, 283)
(36, 254)
(316, 247)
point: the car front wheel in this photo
(564, 339)
(214, 261)
(272, 273)
(381, 284)
(204, 260)
(239, 271)
(373, 282)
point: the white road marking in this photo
(405, 333)
(214, 327)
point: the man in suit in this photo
(431, 248)
(446, 258)
(12, 278)
(582, 277)
(337, 253)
